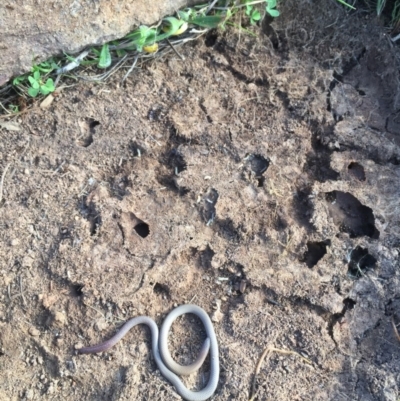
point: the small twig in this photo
(396, 332)
(175, 51)
(104, 76)
(58, 168)
(21, 291)
(267, 352)
(2, 181)
(97, 310)
(211, 6)
(131, 68)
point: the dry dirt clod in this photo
(34, 332)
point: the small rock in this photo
(48, 300)
(101, 324)
(60, 317)
(27, 261)
(15, 242)
(217, 316)
(34, 332)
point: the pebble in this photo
(217, 316)
(34, 332)
(59, 317)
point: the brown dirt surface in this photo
(258, 179)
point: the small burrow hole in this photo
(162, 290)
(359, 261)
(142, 229)
(86, 141)
(76, 290)
(92, 125)
(357, 171)
(315, 252)
(205, 257)
(211, 38)
(350, 215)
(349, 304)
(258, 165)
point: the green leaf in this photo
(34, 83)
(172, 25)
(50, 84)
(120, 52)
(271, 3)
(256, 16)
(36, 75)
(105, 57)
(144, 35)
(185, 16)
(248, 10)
(44, 90)
(211, 21)
(273, 13)
(33, 92)
(18, 80)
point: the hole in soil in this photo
(85, 142)
(161, 289)
(349, 304)
(205, 257)
(360, 261)
(357, 171)
(76, 290)
(211, 38)
(350, 215)
(142, 229)
(258, 166)
(303, 208)
(92, 125)
(207, 209)
(89, 212)
(226, 228)
(64, 233)
(176, 161)
(315, 252)
(88, 129)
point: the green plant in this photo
(253, 14)
(37, 82)
(395, 16)
(346, 4)
(39, 86)
(380, 5)
(13, 108)
(271, 8)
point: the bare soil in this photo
(258, 179)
